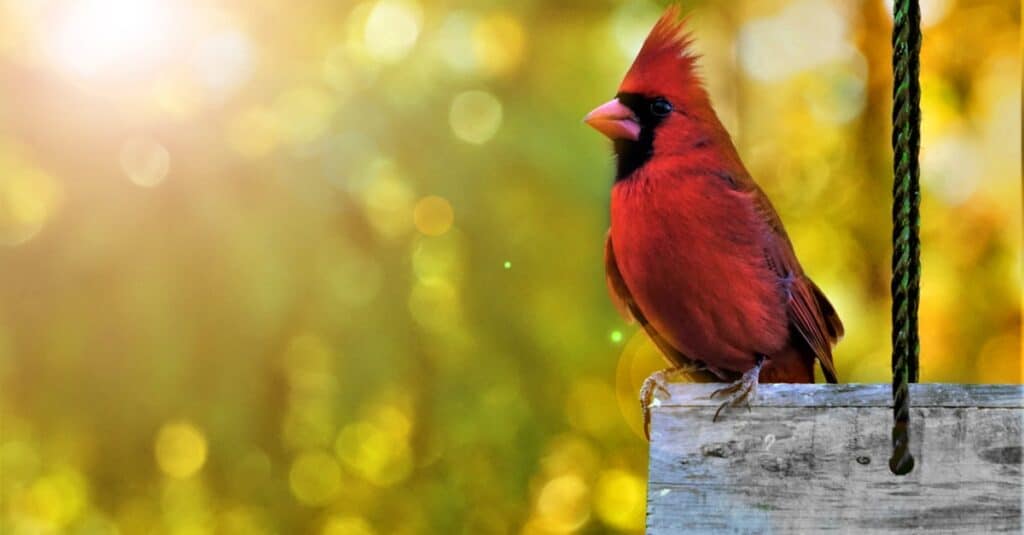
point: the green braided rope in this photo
(906, 258)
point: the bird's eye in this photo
(661, 107)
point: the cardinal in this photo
(696, 253)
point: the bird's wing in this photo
(626, 306)
(617, 289)
(809, 310)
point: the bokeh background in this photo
(336, 267)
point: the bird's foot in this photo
(655, 390)
(741, 391)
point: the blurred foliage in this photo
(327, 267)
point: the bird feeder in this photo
(859, 457)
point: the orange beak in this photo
(614, 120)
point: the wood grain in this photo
(814, 458)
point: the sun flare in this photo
(94, 37)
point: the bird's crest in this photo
(666, 56)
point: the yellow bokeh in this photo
(388, 201)
(392, 27)
(347, 525)
(315, 478)
(438, 257)
(498, 43)
(145, 161)
(379, 455)
(455, 41)
(562, 505)
(180, 449)
(434, 303)
(392, 420)
(433, 215)
(241, 521)
(28, 198)
(570, 454)
(475, 116)
(619, 498)
(55, 500)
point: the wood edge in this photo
(937, 395)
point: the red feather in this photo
(666, 61)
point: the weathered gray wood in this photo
(814, 458)
(856, 395)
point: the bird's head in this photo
(660, 101)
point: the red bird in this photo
(696, 253)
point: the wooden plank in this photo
(814, 458)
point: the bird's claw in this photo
(739, 392)
(649, 397)
(655, 390)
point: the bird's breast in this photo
(691, 250)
